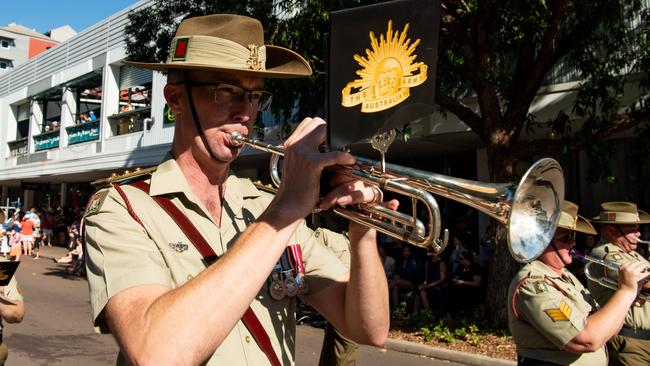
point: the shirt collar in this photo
(169, 178)
(540, 267)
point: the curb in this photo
(444, 354)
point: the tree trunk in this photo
(502, 268)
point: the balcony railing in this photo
(45, 141)
(18, 147)
(88, 131)
(129, 122)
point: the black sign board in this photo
(7, 270)
(382, 67)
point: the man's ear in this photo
(174, 96)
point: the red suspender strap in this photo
(249, 318)
(514, 296)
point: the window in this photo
(6, 43)
(6, 64)
(135, 88)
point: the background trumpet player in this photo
(552, 317)
(619, 232)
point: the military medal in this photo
(291, 286)
(277, 290)
(276, 287)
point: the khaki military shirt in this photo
(638, 317)
(123, 254)
(337, 243)
(548, 311)
(11, 291)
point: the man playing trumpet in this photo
(155, 283)
(552, 317)
(619, 233)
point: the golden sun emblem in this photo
(388, 72)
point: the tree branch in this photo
(463, 112)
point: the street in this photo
(57, 327)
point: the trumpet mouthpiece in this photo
(236, 138)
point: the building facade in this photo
(19, 44)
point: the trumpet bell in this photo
(536, 209)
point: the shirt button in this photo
(189, 277)
(248, 339)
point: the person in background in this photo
(12, 310)
(387, 261)
(27, 234)
(553, 318)
(464, 290)
(431, 291)
(47, 229)
(405, 276)
(619, 232)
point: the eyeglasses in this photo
(226, 94)
(566, 238)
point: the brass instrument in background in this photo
(530, 210)
(605, 281)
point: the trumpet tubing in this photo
(604, 281)
(530, 209)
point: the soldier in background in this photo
(619, 231)
(552, 317)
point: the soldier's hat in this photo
(570, 220)
(621, 213)
(230, 43)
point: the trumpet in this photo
(602, 280)
(530, 209)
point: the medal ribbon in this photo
(285, 263)
(296, 259)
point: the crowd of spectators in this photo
(23, 233)
(443, 283)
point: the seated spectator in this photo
(75, 255)
(126, 108)
(91, 116)
(55, 125)
(405, 276)
(387, 261)
(47, 129)
(455, 253)
(464, 290)
(431, 294)
(486, 244)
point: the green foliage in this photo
(464, 327)
(400, 312)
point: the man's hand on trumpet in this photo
(631, 277)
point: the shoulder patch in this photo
(95, 203)
(617, 257)
(561, 313)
